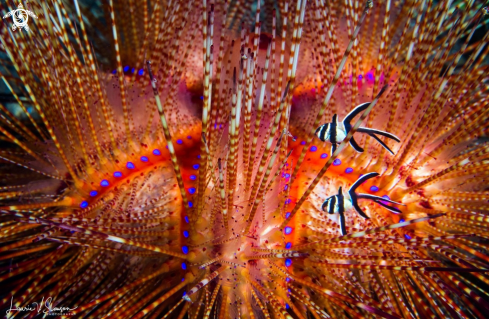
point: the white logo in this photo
(20, 17)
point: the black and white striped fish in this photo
(339, 204)
(335, 132)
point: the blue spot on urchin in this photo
(126, 68)
(156, 152)
(337, 162)
(287, 175)
(189, 137)
(104, 183)
(186, 219)
(288, 245)
(407, 236)
(287, 306)
(93, 193)
(313, 148)
(141, 72)
(84, 204)
(191, 190)
(179, 142)
(303, 143)
(402, 220)
(144, 159)
(190, 204)
(186, 234)
(195, 166)
(285, 188)
(117, 174)
(193, 177)
(374, 188)
(348, 170)
(287, 215)
(386, 197)
(184, 266)
(324, 155)
(288, 262)
(185, 249)
(288, 230)
(130, 165)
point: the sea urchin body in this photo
(209, 175)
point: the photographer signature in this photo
(45, 306)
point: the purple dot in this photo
(374, 188)
(126, 68)
(104, 183)
(360, 77)
(324, 155)
(407, 236)
(114, 72)
(132, 70)
(313, 148)
(186, 219)
(130, 165)
(186, 234)
(337, 162)
(195, 166)
(193, 177)
(202, 97)
(190, 204)
(401, 220)
(117, 174)
(288, 262)
(185, 249)
(141, 72)
(288, 230)
(286, 305)
(156, 152)
(348, 170)
(93, 193)
(84, 204)
(198, 156)
(184, 266)
(191, 190)
(179, 142)
(144, 159)
(287, 215)
(287, 279)
(287, 175)
(288, 245)
(303, 143)
(189, 137)
(285, 188)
